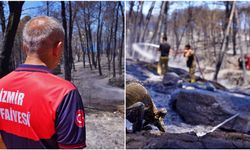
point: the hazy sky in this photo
(175, 5)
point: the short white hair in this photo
(42, 32)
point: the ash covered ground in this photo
(144, 70)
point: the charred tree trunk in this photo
(114, 52)
(109, 47)
(131, 4)
(87, 41)
(234, 34)
(165, 18)
(15, 9)
(133, 32)
(129, 28)
(178, 38)
(224, 44)
(90, 40)
(81, 43)
(159, 22)
(47, 9)
(228, 10)
(2, 18)
(67, 66)
(189, 27)
(91, 45)
(130, 16)
(17, 54)
(122, 43)
(99, 38)
(145, 30)
(83, 57)
(71, 60)
(138, 31)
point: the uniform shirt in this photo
(40, 110)
(164, 48)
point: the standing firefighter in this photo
(141, 108)
(164, 48)
(189, 53)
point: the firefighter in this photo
(164, 48)
(189, 54)
(141, 110)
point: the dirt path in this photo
(95, 89)
(103, 106)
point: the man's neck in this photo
(34, 61)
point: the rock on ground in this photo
(211, 108)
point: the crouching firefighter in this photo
(141, 110)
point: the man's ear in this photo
(24, 48)
(57, 49)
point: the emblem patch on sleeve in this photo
(79, 118)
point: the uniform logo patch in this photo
(79, 118)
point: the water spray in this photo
(148, 44)
(146, 54)
(201, 134)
